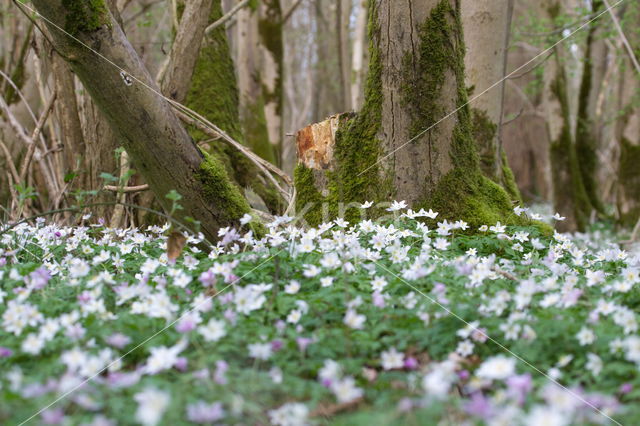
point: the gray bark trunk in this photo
(159, 146)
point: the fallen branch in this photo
(235, 9)
(214, 131)
(126, 189)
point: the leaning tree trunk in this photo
(159, 146)
(416, 77)
(487, 25)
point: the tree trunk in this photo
(628, 126)
(160, 148)
(327, 93)
(343, 15)
(416, 77)
(252, 113)
(271, 52)
(487, 25)
(569, 194)
(586, 132)
(358, 55)
(214, 94)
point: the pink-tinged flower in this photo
(463, 374)
(625, 388)
(410, 363)
(181, 364)
(201, 412)
(303, 342)
(378, 300)
(39, 278)
(230, 315)
(118, 340)
(208, 278)
(479, 406)
(186, 324)
(519, 386)
(5, 352)
(219, 375)
(84, 297)
(276, 345)
(75, 332)
(52, 416)
(117, 379)
(231, 278)
(479, 335)
(405, 405)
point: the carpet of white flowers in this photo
(413, 321)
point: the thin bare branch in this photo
(289, 12)
(226, 17)
(627, 45)
(126, 189)
(214, 131)
(34, 136)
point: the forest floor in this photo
(410, 322)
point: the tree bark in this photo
(159, 146)
(487, 25)
(252, 113)
(416, 77)
(358, 54)
(271, 52)
(213, 92)
(570, 198)
(185, 49)
(628, 126)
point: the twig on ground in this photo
(126, 189)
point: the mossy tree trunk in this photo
(570, 197)
(271, 52)
(159, 146)
(487, 25)
(416, 77)
(628, 126)
(213, 93)
(586, 124)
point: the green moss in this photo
(629, 181)
(307, 195)
(219, 189)
(509, 181)
(84, 15)
(484, 133)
